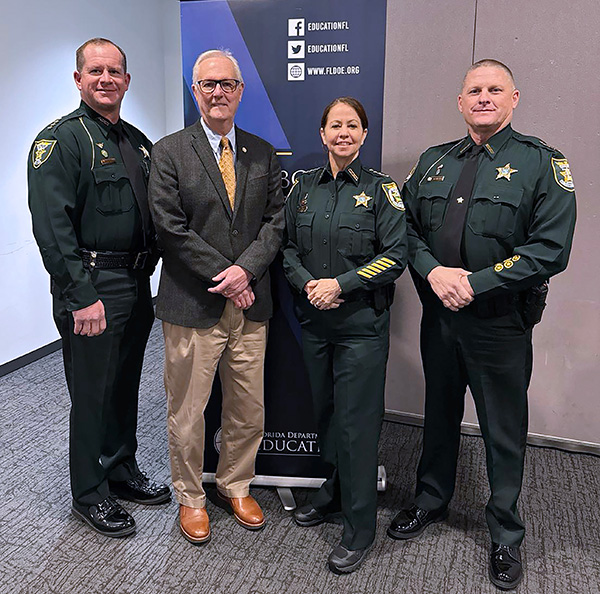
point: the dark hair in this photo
(494, 64)
(355, 104)
(80, 60)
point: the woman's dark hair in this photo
(355, 104)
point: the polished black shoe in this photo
(341, 560)
(107, 517)
(140, 489)
(409, 523)
(506, 570)
(307, 515)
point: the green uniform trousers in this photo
(346, 351)
(103, 377)
(493, 357)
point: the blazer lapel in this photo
(204, 151)
(242, 164)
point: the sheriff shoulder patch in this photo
(393, 195)
(562, 174)
(42, 149)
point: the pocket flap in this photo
(357, 221)
(110, 173)
(435, 190)
(511, 196)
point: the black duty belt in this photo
(95, 259)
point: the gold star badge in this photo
(505, 172)
(460, 199)
(362, 199)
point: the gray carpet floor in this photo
(43, 549)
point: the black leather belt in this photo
(94, 259)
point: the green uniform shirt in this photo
(351, 228)
(521, 217)
(80, 197)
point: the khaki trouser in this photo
(237, 346)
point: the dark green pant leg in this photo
(359, 378)
(318, 356)
(91, 366)
(498, 357)
(134, 317)
(445, 385)
(86, 360)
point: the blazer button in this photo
(235, 232)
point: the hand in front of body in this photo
(232, 281)
(90, 320)
(245, 299)
(452, 286)
(324, 293)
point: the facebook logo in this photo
(295, 27)
(296, 50)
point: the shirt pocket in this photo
(113, 190)
(494, 212)
(356, 236)
(433, 200)
(304, 231)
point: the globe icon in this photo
(296, 71)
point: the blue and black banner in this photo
(295, 56)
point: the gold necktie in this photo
(227, 169)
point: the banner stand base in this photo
(284, 484)
(287, 498)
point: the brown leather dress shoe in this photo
(193, 523)
(246, 511)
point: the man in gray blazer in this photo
(216, 200)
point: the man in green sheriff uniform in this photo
(350, 228)
(490, 217)
(87, 176)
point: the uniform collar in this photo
(493, 145)
(104, 125)
(350, 173)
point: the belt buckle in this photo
(140, 260)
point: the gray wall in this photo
(553, 49)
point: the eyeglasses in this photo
(228, 85)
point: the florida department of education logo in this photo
(42, 149)
(217, 440)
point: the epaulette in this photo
(535, 141)
(59, 121)
(375, 172)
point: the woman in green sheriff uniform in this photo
(345, 245)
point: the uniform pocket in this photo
(494, 213)
(304, 231)
(113, 196)
(356, 236)
(433, 204)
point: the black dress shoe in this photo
(307, 515)
(140, 489)
(107, 517)
(506, 570)
(341, 560)
(409, 523)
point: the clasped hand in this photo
(452, 286)
(234, 284)
(324, 293)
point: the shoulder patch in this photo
(42, 149)
(393, 195)
(562, 174)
